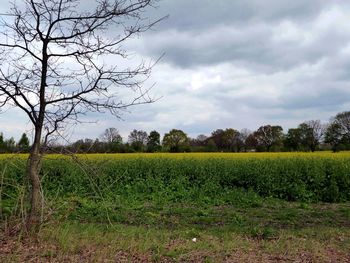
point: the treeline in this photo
(308, 136)
(11, 146)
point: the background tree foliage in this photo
(153, 142)
(176, 141)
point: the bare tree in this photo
(138, 139)
(55, 67)
(201, 138)
(342, 119)
(111, 135)
(317, 130)
(243, 135)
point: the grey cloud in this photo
(251, 47)
(244, 32)
(237, 63)
(306, 96)
(203, 14)
(271, 40)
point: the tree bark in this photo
(35, 156)
(32, 173)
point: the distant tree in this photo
(202, 138)
(342, 120)
(23, 144)
(318, 129)
(243, 135)
(199, 143)
(89, 145)
(338, 132)
(226, 140)
(334, 136)
(251, 143)
(312, 133)
(83, 146)
(2, 143)
(293, 140)
(112, 140)
(126, 148)
(76, 146)
(269, 136)
(138, 140)
(10, 145)
(211, 146)
(306, 136)
(153, 142)
(101, 147)
(111, 135)
(218, 137)
(176, 141)
(231, 140)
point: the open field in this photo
(249, 207)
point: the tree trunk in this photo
(34, 159)
(32, 173)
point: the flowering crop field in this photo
(246, 207)
(320, 176)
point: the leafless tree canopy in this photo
(55, 67)
(317, 129)
(55, 59)
(111, 135)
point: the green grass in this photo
(258, 231)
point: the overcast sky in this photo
(234, 64)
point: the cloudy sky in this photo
(234, 63)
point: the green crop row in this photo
(188, 178)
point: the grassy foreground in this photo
(264, 231)
(149, 208)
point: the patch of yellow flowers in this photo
(215, 155)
